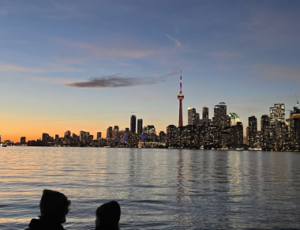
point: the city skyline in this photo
(75, 66)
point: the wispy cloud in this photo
(4, 67)
(116, 81)
(177, 43)
(123, 50)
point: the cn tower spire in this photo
(180, 98)
(180, 81)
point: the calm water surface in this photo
(157, 189)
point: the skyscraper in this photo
(205, 113)
(109, 132)
(180, 98)
(99, 134)
(252, 130)
(193, 117)
(133, 124)
(115, 131)
(277, 113)
(140, 126)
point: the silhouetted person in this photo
(54, 207)
(108, 216)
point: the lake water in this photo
(157, 189)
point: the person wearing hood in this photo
(108, 216)
(54, 206)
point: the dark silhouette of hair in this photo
(54, 206)
(109, 215)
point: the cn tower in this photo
(180, 98)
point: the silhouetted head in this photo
(108, 215)
(54, 206)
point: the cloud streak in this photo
(4, 67)
(116, 81)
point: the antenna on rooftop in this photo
(297, 101)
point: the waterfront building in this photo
(133, 124)
(265, 131)
(221, 119)
(238, 135)
(109, 132)
(22, 140)
(172, 136)
(162, 136)
(180, 97)
(252, 131)
(205, 114)
(115, 131)
(277, 113)
(193, 117)
(99, 134)
(45, 138)
(140, 126)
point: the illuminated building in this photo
(133, 124)
(180, 97)
(162, 136)
(205, 114)
(277, 113)
(68, 133)
(221, 119)
(172, 136)
(109, 132)
(115, 131)
(140, 126)
(238, 135)
(99, 134)
(234, 119)
(193, 117)
(265, 130)
(252, 131)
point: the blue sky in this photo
(245, 53)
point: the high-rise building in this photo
(45, 137)
(265, 130)
(23, 140)
(0, 139)
(172, 136)
(252, 131)
(277, 113)
(238, 135)
(252, 124)
(205, 114)
(115, 131)
(99, 134)
(193, 117)
(133, 124)
(221, 119)
(140, 126)
(68, 133)
(220, 110)
(180, 97)
(109, 132)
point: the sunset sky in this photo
(86, 65)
